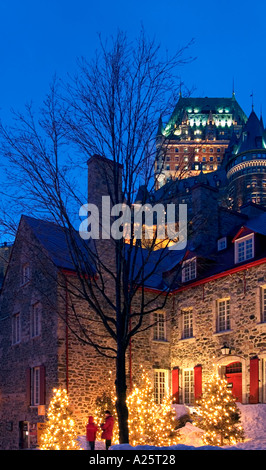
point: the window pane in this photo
(188, 387)
(189, 270)
(35, 386)
(160, 386)
(223, 315)
(263, 304)
(159, 327)
(245, 249)
(35, 323)
(187, 316)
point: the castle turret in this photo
(246, 165)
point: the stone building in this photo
(214, 314)
(196, 136)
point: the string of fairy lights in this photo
(217, 414)
(60, 431)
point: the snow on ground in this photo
(253, 418)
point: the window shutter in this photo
(42, 385)
(254, 380)
(175, 385)
(28, 386)
(197, 381)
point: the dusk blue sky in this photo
(40, 38)
(43, 37)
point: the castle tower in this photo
(246, 165)
(197, 136)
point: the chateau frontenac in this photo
(212, 157)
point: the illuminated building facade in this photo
(196, 136)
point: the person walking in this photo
(91, 431)
(107, 429)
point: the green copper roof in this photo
(205, 106)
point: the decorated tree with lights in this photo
(149, 423)
(60, 430)
(104, 402)
(218, 414)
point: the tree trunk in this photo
(121, 394)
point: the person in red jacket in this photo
(91, 431)
(107, 428)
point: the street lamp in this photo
(225, 350)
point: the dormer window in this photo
(222, 244)
(189, 270)
(244, 248)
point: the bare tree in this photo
(110, 109)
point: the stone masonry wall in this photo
(28, 352)
(246, 336)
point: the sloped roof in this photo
(152, 267)
(155, 268)
(177, 186)
(257, 224)
(207, 105)
(60, 244)
(252, 136)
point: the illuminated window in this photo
(187, 323)
(159, 329)
(223, 315)
(160, 385)
(263, 304)
(244, 248)
(188, 386)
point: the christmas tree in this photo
(60, 432)
(219, 415)
(149, 423)
(107, 402)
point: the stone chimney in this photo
(205, 223)
(104, 179)
(104, 191)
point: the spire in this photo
(252, 134)
(233, 91)
(180, 89)
(252, 96)
(261, 119)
